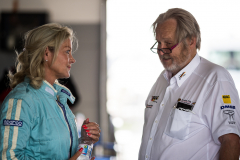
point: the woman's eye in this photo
(68, 51)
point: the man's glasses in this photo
(155, 48)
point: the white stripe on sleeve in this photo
(7, 129)
(15, 130)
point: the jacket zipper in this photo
(65, 116)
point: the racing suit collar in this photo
(64, 92)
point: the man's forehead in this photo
(166, 30)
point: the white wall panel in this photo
(62, 11)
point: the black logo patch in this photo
(184, 106)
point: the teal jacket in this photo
(37, 123)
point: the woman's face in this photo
(62, 65)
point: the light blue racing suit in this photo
(37, 123)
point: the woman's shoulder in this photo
(25, 92)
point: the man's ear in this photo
(193, 41)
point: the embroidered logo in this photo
(149, 106)
(185, 101)
(228, 106)
(230, 113)
(66, 92)
(9, 122)
(154, 99)
(185, 105)
(226, 99)
(193, 104)
(182, 75)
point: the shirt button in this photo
(146, 156)
(156, 121)
(150, 138)
(162, 104)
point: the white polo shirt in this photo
(186, 114)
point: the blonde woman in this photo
(36, 122)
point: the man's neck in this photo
(188, 61)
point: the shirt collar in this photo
(182, 75)
(64, 92)
(54, 90)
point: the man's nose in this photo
(160, 52)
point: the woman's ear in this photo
(46, 54)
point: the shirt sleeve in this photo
(221, 109)
(15, 127)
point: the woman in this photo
(36, 122)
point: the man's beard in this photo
(178, 62)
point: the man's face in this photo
(180, 56)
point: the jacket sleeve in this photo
(15, 128)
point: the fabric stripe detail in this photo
(7, 129)
(63, 115)
(15, 130)
(50, 86)
(66, 120)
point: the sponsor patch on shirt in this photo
(230, 114)
(10, 122)
(226, 99)
(186, 101)
(149, 106)
(185, 105)
(66, 92)
(182, 75)
(154, 99)
(228, 106)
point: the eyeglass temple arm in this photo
(153, 45)
(174, 46)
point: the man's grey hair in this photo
(187, 25)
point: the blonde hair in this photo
(187, 25)
(30, 62)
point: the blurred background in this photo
(115, 68)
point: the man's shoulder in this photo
(212, 72)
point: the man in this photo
(192, 111)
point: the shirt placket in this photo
(157, 119)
